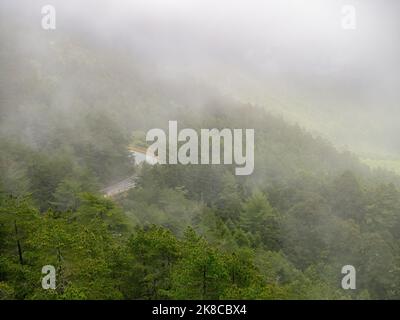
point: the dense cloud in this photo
(293, 57)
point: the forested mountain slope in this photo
(67, 115)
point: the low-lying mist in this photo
(291, 57)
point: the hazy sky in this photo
(291, 55)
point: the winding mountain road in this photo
(139, 155)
